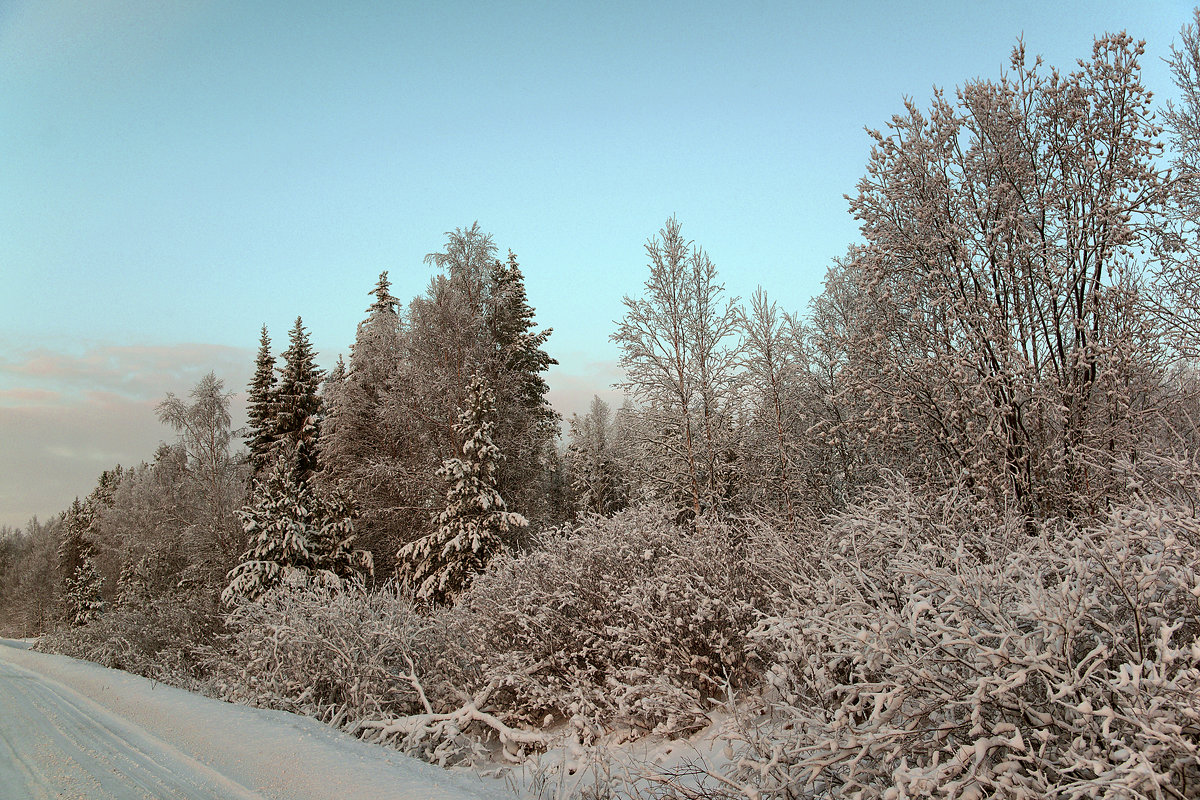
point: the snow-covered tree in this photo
(296, 402)
(474, 316)
(295, 531)
(76, 568)
(471, 529)
(73, 546)
(1177, 304)
(526, 424)
(773, 364)
(358, 444)
(214, 483)
(82, 597)
(519, 345)
(260, 406)
(1003, 260)
(598, 478)
(678, 353)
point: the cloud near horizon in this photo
(65, 416)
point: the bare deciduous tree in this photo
(680, 365)
(1003, 266)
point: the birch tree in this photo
(679, 359)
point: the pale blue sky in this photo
(173, 175)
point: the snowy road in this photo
(70, 729)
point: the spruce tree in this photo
(261, 406)
(384, 302)
(597, 478)
(440, 566)
(518, 343)
(295, 530)
(357, 444)
(82, 592)
(72, 547)
(526, 424)
(297, 405)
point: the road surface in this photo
(71, 729)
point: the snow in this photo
(72, 729)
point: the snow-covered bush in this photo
(931, 649)
(340, 656)
(630, 622)
(164, 638)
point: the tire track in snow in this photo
(59, 744)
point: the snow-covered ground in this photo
(72, 729)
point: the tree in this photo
(215, 484)
(260, 406)
(1001, 268)
(473, 318)
(73, 551)
(1177, 305)
(82, 593)
(36, 590)
(357, 444)
(526, 423)
(297, 404)
(676, 353)
(295, 531)
(597, 475)
(471, 529)
(517, 343)
(772, 361)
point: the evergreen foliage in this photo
(295, 531)
(598, 479)
(519, 346)
(359, 444)
(297, 405)
(384, 303)
(82, 597)
(260, 406)
(440, 566)
(73, 547)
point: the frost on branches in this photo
(440, 566)
(296, 531)
(931, 648)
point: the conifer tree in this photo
(297, 405)
(73, 550)
(295, 529)
(261, 406)
(82, 593)
(526, 424)
(440, 566)
(358, 445)
(73, 546)
(384, 302)
(597, 478)
(518, 343)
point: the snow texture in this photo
(72, 729)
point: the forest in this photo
(936, 536)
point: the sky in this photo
(174, 175)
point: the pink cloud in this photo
(29, 396)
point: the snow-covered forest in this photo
(937, 536)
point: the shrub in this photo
(164, 638)
(340, 655)
(629, 621)
(929, 649)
